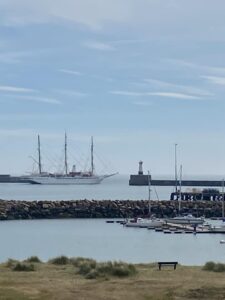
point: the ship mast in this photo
(92, 156)
(65, 149)
(39, 155)
(149, 194)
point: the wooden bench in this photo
(168, 263)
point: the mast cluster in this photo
(65, 156)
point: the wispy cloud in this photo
(15, 89)
(99, 46)
(196, 66)
(173, 95)
(34, 99)
(142, 103)
(127, 93)
(15, 57)
(71, 72)
(179, 88)
(72, 93)
(215, 79)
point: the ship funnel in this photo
(74, 169)
(140, 171)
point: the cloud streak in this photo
(215, 79)
(99, 46)
(196, 66)
(72, 93)
(15, 89)
(172, 95)
(70, 72)
(35, 99)
(179, 88)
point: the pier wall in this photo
(143, 180)
(16, 210)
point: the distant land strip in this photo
(25, 210)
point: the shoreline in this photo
(68, 209)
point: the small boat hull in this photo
(145, 223)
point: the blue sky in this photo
(137, 75)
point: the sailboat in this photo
(149, 222)
(72, 177)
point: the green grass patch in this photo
(11, 263)
(33, 259)
(90, 269)
(81, 261)
(23, 267)
(60, 260)
(214, 267)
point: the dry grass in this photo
(61, 282)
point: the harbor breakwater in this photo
(23, 210)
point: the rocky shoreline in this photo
(24, 210)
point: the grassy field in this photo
(54, 281)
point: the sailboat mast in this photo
(65, 149)
(176, 169)
(92, 156)
(149, 194)
(180, 188)
(39, 155)
(223, 198)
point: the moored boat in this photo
(188, 219)
(144, 223)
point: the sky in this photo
(138, 76)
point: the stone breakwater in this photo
(16, 210)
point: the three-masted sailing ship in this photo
(68, 177)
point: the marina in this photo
(96, 239)
(167, 227)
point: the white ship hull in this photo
(65, 180)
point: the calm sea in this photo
(102, 241)
(96, 238)
(112, 188)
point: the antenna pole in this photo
(92, 156)
(175, 168)
(180, 188)
(66, 163)
(223, 198)
(39, 155)
(149, 194)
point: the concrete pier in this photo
(142, 180)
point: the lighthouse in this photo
(140, 171)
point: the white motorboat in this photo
(217, 228)
(188, 219)
(144, 223)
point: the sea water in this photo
(97, 239)
(113, 188)
(94, 237)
